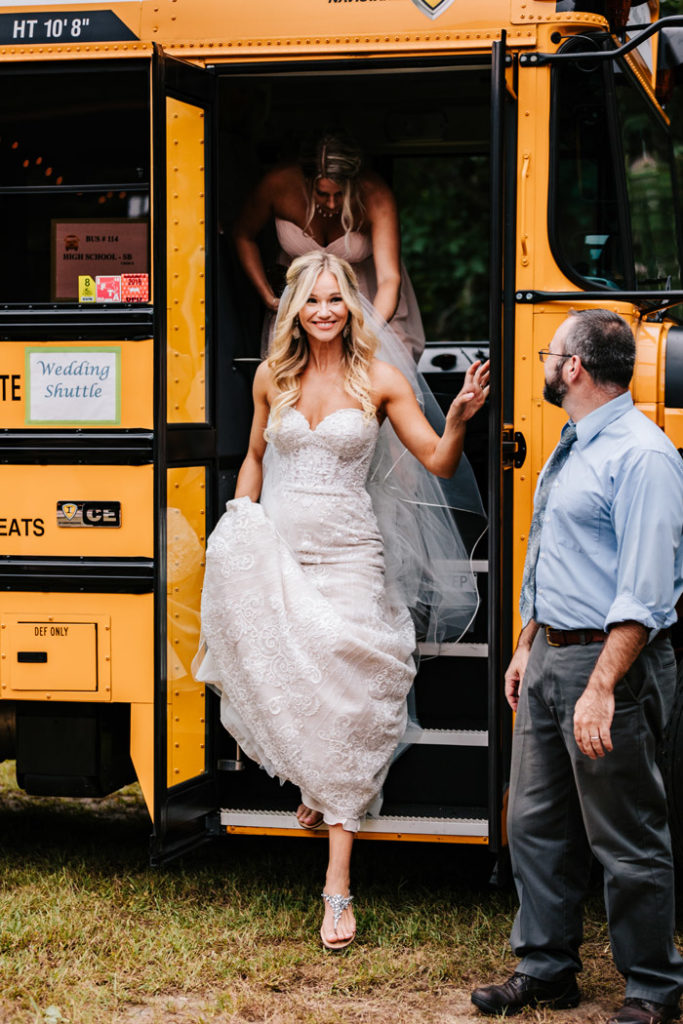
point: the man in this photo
(592, 681)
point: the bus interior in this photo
(426, 132)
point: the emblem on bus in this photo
(433, 8)
(88, 513)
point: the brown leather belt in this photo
(564, 637)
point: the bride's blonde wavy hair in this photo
(288, 355)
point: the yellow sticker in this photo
(87, 289)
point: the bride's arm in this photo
(440, 455)
(250, 477)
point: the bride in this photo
(311, 649)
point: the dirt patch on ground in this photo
(451, 1007)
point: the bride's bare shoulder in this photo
(385, 378)
(263, 381)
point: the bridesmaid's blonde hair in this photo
(288, 354)
(338, 158)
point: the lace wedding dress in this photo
(311, 654)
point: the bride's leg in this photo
(337, 882)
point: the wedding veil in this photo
(427, 564)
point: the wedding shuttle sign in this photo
(73, 385)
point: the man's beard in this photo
(554, 391)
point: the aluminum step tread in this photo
(241, 818)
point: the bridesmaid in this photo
(329, 202)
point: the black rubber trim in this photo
(190, 444)
(356, 65)
(673, 379)
(85, 575)
(648, 301)
(49, 322)
(76, 447)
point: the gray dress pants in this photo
(563, 805)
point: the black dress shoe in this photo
(641, 1011)
(522, 990)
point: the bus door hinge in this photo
(514, 448)
(212, 824)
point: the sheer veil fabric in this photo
(427, 563)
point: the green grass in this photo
(90, 933)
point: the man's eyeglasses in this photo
(543, 354)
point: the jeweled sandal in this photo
(338, 905)
(316, 823)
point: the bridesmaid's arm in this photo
(440, 455)
(382, 216)
(250, 477)
(255, 214)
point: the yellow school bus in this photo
(532, 148)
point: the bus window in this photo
(585, 227)
(649, 181)
(74, 179)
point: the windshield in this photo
(606, 150)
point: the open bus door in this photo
(422, 125)
(505, 448)
(185, 445)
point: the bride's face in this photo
(325, 313)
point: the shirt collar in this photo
(590, 426)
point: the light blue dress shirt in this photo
(611, 544)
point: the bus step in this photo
(238, 820)
(455, 649)
(453, 737)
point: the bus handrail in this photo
(538, 60)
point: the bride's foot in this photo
(308, 818)
(339, 924)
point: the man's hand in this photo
(518, 662)
(594, 709)
(515, 675)
(593, 716)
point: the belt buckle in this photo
(551, 643)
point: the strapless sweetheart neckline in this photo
(347, 408)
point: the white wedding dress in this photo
(312, 656)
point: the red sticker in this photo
(108, 288)
(135, 287)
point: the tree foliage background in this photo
(445, 218)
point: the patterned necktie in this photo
(527, 597)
